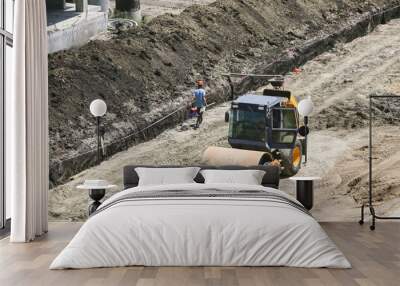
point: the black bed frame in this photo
(271, 177)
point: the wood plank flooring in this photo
(375, 257)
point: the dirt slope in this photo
(145, 73)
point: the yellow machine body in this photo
(248, 152)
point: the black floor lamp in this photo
(98, 108)
(370, 205)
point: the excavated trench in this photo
(63, 166)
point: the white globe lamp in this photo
(305, 107)
(98, 108)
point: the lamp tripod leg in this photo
(361, 221)
(305, 140)
(372, 210)
(98, 140)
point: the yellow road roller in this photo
(263, 127)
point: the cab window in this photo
(284, 126)
(247, 124)
(284, 118)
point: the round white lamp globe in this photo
(98, 107)
(305, 107)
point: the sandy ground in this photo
(339, 82)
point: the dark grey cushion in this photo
(270, 179)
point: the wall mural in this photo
(150, 66)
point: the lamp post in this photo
(98, 108)
(305, 108)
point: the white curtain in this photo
(27, 123)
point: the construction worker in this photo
(199, 97)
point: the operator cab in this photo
(263, 121)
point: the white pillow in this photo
(166, 176)
(245, 177)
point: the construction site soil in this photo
(339, 82)
(145, 73)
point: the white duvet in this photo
(200, 231)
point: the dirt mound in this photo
(148, 72)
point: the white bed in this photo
(208, 230)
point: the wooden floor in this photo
(375, 257)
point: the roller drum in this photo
(219, 156)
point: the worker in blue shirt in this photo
(200, 102)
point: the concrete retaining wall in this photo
(76, 34)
